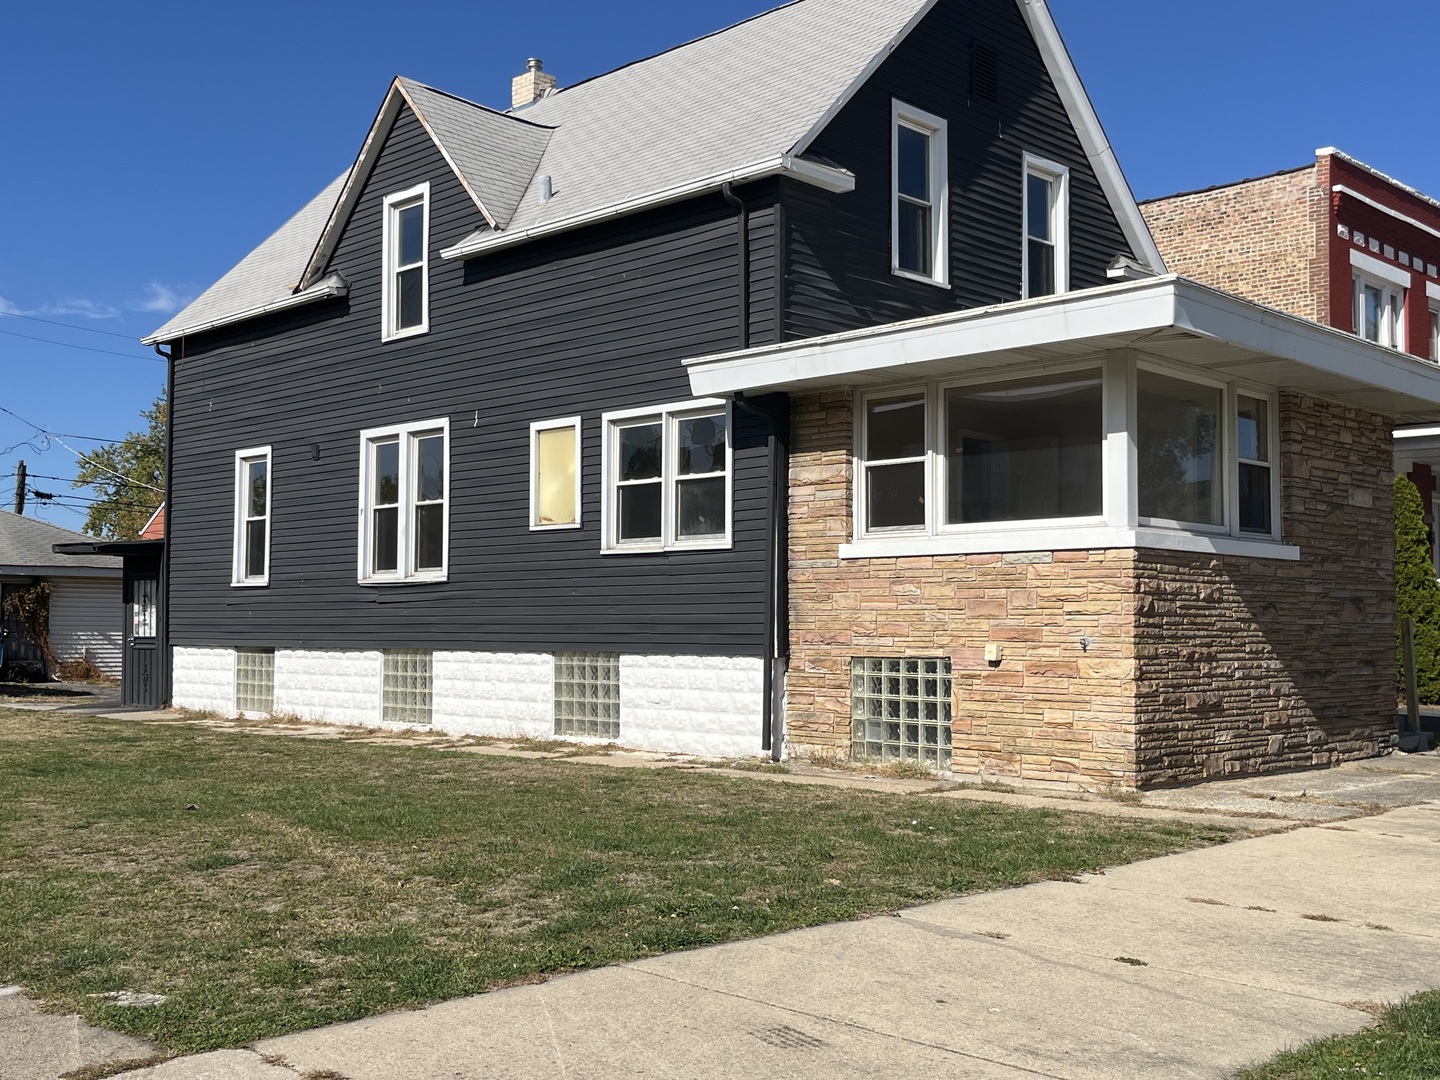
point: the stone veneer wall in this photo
(1056, 707)
(1250, 665)
(1136, 668)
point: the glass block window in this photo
(407, 690)
(255, 681)
(587, 695)
(901, 710)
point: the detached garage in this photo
(86, 616)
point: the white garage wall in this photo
(86, 620)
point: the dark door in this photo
(143, 685)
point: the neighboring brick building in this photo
(1335, 241)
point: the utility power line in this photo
(68, 326)
(82, 348)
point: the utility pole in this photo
(20, 490)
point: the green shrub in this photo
(1417, 593)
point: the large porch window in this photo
(1085, 451)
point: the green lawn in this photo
(1404, 1045)
(268, 884)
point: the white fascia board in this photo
(1382, 270)
(1133, 308)
(839, 181)
(1264, 330)
(1091, 132)
(334, 285)
(1376, 204)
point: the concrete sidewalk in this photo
(1187, 966)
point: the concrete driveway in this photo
(1187, 966)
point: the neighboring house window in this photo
(406, 287)
(1435, 333)
(587, 695)
(981, 453)
(668, 477)
(407, 688)
(405, 504)
(251, 565)
(901, 710)
(555, 474)
(920, 196)
(1380, 311)
(255, 681)
(1047, 228)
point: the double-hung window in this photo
(920, 196)
(406, 284)
(668, 477)
(405, 502)
(1435, 333)
(251, 563)
(1046, 255)
(1379, 311)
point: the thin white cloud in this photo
(74, 307)
(7, 308)
(163, 299)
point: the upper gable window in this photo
(920, 196)
(406, 285)
(1047, 229)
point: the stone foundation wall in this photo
(1058, 706)
(1249, 665)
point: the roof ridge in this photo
(663, 52)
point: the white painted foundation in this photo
(705, 705)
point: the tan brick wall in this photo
(1119, 667)
(1249, 665)
(1055, 708)
(1262, 239)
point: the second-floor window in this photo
(1435, 333)
(406, 287)
(1380, 311)
(920, 195)
(1047, 228)
(405, 502)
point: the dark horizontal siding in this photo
(579, 325)
(838, 246)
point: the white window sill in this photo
(662, 549)
(570, 526)
(1079, 538)
(426, 579)
(250, 584)
(924, 279)
(401, 335)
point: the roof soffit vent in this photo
(531, 86)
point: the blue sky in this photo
(154, 143)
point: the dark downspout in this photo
(743, 234)
(163, 629)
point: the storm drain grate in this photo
(788, 1038)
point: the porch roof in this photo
(1168, 318)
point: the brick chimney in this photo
(531, 86)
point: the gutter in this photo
(332, 286)
(162, 621)
(839, 181)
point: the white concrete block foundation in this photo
(705, 705)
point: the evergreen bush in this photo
(1417, 593)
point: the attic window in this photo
(984, 73)
(407, 264)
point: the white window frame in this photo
(536, 428)
(936, 129)
(243, 458)
(936, 462)
(1059, 175)
(1394, 285)
(405, 572)
(1432, 294)
(394, 203)
(1119, 524)
(668, 416)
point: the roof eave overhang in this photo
(331, 287)
(830, 179)
(116, 548)
(1167, 319)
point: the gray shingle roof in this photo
(26, 546)
(494, 154)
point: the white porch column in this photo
(1122, 503)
